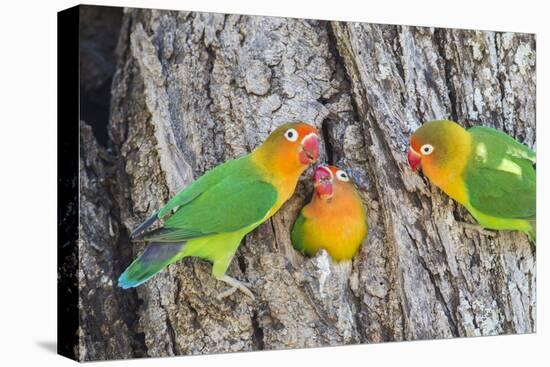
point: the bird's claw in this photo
(226, 293)
(235, 285)
(477, 228)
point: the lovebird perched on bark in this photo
(209, 218)
(334, 220)
(484, 169)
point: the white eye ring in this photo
(342, 176)
(291, 135)
(426, 149)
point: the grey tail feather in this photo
(143, 226)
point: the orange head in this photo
(291, 148)
(329, 180)
(434, 144)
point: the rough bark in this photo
(106, 327)
(192, 90)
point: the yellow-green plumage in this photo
(209, 218)
(485, 170)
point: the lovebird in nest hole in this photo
(334, 220)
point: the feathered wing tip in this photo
(156, 257)
(170, 235)
(143, 226)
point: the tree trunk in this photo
(192, 90)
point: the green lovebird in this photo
(209, 218)
(484, 169)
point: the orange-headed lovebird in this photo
(484, 169)
(334, 220)
(209, 218)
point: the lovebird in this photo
(484, 169)
(209, 218)
(334, 219)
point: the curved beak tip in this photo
(310, 146)
(321, 173)
(322, 181)
(414, 159)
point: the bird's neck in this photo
(343, 203)
(281, 168)
(448, 173)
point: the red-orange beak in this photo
(310, 149)
(322, 182)
(414, 159)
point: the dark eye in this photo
(426, 149)
(342, 176)
(291, 135)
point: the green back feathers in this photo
(229, 197)
(500, 177)
(185, 196)
(211, 217)
(513, 148)
(202, 184)
(232, 204)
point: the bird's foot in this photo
(477, 228)
(235, 285)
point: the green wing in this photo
(511, 146)
(297, 234)
(202, 184)
(500, 177)
(191, 192)
(237, 200)
(299, 239)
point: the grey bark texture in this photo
(192, 90)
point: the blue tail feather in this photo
(156, 257)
